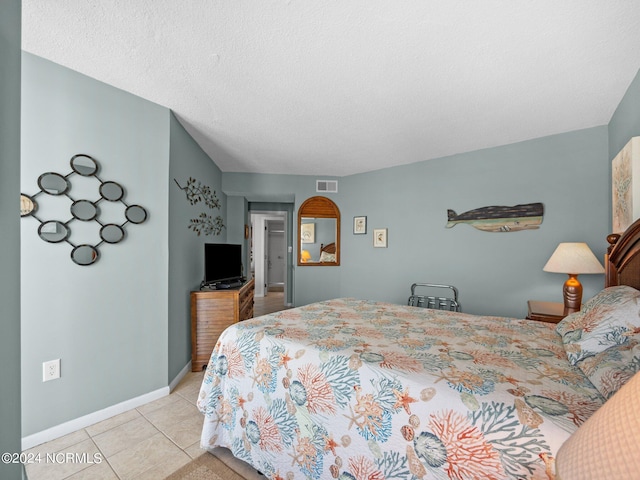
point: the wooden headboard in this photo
(329, 248)
(622, 261)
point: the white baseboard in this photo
(52, 433)
(174, 383)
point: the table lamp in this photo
(305, 256)
(607, 445)
(573, 259)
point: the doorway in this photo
(270, 253)
(276, 255)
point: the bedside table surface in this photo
(545, 311)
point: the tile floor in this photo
(147, 443)
(272, 302)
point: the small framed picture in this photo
(359, 225)
(380, 237)
(308, 232)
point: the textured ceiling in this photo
(346, 86)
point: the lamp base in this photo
(572, 294)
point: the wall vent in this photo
(326, 186)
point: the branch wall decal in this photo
(196, 193)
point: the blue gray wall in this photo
(238, 209)
(186, 249)
(10, 429)
(106, 322)
(625, 122)
(496, 272)
(106, 330)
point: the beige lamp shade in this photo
(607, 445)
(576, 258)
(573, 259)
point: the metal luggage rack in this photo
(436, 302)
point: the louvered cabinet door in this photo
(212, 311)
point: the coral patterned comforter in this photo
(356, 389)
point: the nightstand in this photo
(551, 312)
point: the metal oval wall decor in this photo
(500, 218)
(82, 210)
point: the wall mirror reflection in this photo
(111, 233)
(53, 183)
(28, 205)
(318, 232)
(135, 214)
(84, 254)
(84, 210)
(84, 165)
(53, 231)
(111, 191)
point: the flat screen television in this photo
(222, 263)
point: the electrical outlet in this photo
(51, 370)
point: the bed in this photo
(356, 389)
(327, 253)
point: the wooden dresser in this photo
(211, 312)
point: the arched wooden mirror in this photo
(318, 233)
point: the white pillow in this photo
(327, 257)
(606, 320)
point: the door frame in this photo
(258, 222)
(269, 232)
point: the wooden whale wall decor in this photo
(500, 219)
